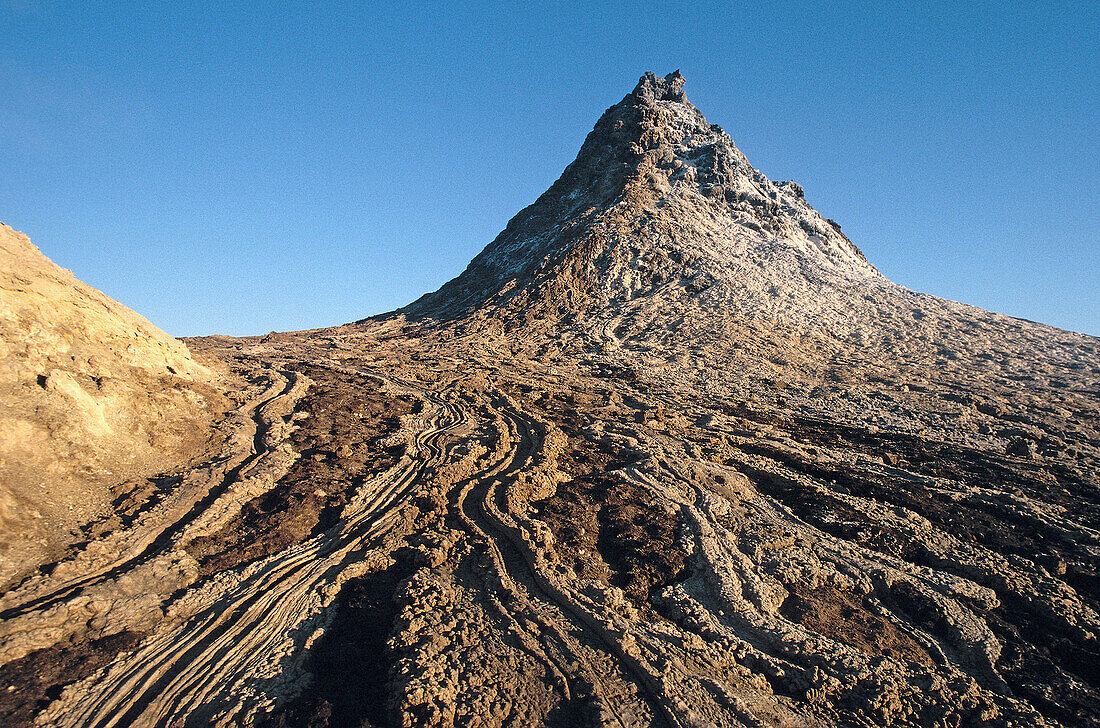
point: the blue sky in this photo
(236, 169)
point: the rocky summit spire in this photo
(658, 202)
(654, 88)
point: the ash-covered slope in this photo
(659, 202)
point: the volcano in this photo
(659, 202)
(669, 452)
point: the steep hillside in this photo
(659, 202)
(91, 393)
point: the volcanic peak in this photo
(656, 197)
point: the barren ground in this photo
(476, 538)
(669, 453)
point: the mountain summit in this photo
(659, 202)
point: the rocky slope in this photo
(660, 205)
(670, 452)
(90, 393)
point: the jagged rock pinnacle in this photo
(654, 88)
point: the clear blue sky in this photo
(237, 169)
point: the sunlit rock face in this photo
(658, 202)
(90, 393)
